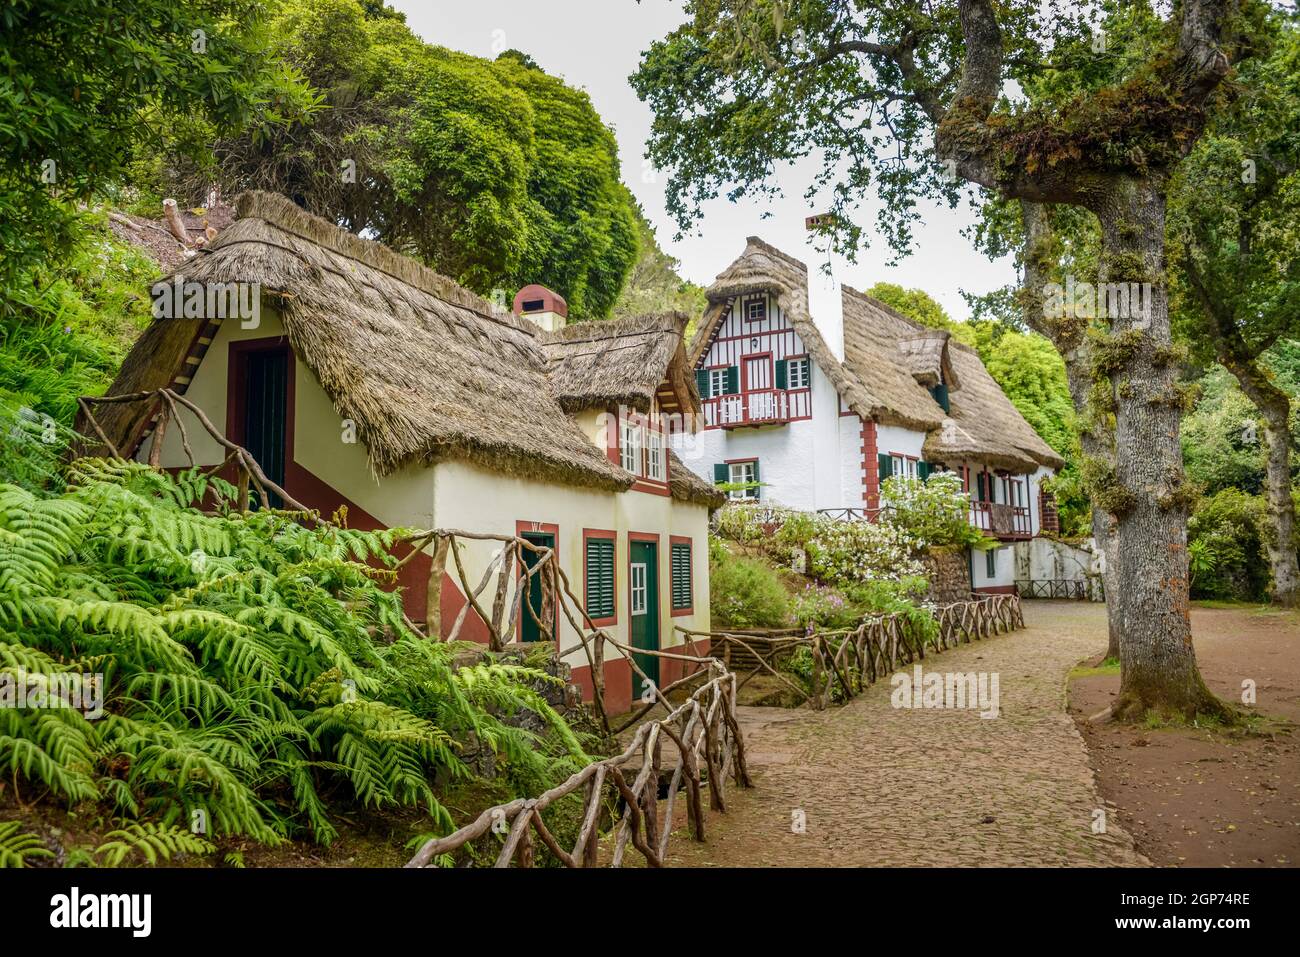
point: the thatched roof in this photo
(985, 425)
(427, 369)
(901, 358)
(621, 362)
(764, 268)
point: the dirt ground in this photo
(1203, 797)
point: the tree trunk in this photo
(1146, 493)
(1096, 433)
(1275, 406)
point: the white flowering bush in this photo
(934, 512)
(842, 552)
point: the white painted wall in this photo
(1004, 571)
(473, 498)
(852, 470)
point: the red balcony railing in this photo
(759, 407)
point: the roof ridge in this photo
(283, 213)
(768, 247)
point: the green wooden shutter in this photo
(721, 473)
(940, 393)
(782, 375)
(886, 466)
(755, 470)
(923, 470)
(702, 383)
(600, 577)
(981, 487)
(681, 573)
(733, 380)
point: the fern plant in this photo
(255, 671)
(17, 846)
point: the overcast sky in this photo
(595, 45)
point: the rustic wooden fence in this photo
(852, 659)
(1078, 589)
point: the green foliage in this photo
(253, 669)
(91, 87)
(17, 846)
(1222, 440)
(70, 322)
(654, 284)
(1226, 546)
(494, 173)
(745, 593)
(150, 842)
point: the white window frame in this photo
(717, 382)
(761, 302)
(637, 588)
(805, 373)
(630, 447)
(736, 474)
(655, 459)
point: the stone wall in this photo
(948, 569)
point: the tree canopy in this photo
(494, 173)
(94, 86)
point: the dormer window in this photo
(756, 310)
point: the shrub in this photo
(745, 593)
(1226, 547)
(822, 607)
(933, 512)
(843, 552)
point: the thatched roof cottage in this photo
(363, 379)
(815, 425)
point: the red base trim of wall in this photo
(618, 685)
(997, 590)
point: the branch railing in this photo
(852, 659)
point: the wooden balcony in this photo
(1007, 522)
(759, 407)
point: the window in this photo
(683, 599)
(600, 577)
(756, 310)
(630, 446)
(738, 473)
(991, 563)
(900, 466)
(638, 588)
(654, 457)
(797, 373)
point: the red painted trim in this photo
(618, 684)
(870, 465)
(744, 371)
(764, 298)
(542, 528)
(237, 399)
(651, 487)
(997, 590)
(752, 458)
(606, 534)
(680, 612)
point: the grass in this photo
(1109, 666)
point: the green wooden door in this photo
(643, 578)
(528, 623)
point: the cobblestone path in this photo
(884, 786)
